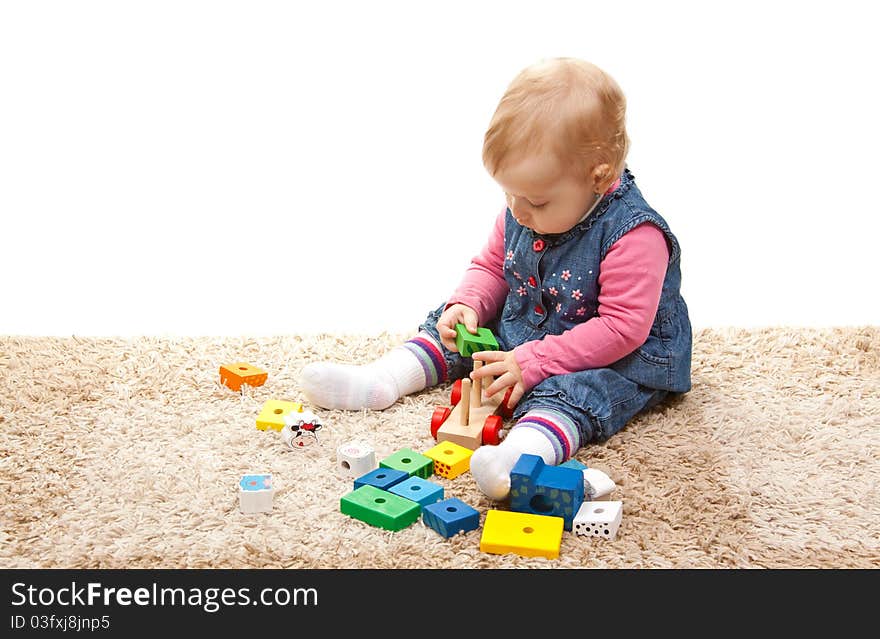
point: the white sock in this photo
(491, 465)
(375, 386)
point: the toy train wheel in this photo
(506, 411)
(437, 419)
(456, 393)
(492, 430)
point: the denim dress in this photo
(554, 286)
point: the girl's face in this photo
(543, 196)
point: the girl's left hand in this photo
(503, 367)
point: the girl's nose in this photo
(517, 207)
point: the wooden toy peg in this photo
(477, 395)
(484, 382)
(465, 401)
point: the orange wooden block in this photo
(234, 375)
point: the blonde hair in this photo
(564, 105)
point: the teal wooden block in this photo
(468, 343)
(419, 490)
(410, 462)
(380, 508)
(573, 463)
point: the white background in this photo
(225, 168)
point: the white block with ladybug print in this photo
(598, 519)
(355, 459)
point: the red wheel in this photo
(492, 430)
(437, 419)
(456, 393)
(507, 411)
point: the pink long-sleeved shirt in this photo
(630, 281)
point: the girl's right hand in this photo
(455, 314)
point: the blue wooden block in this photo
(450, 517)
(419, 490)
(546, 490)
(383, 478)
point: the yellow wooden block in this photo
(522, 534)
(273, 412)
(450, 459)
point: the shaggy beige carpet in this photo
(126, 453)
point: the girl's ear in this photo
(602, 177)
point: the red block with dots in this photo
(234, 375)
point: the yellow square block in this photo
(273, 412)
(522, 534)
(450, 459)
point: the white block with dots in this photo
(354, 459)
(597, 485)
(255, 493)
(598, 519)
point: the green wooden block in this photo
(468, 343)
(380, 508)
(409, 461)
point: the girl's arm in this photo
(483, 286)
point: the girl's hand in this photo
(503, 367)
(455, 314)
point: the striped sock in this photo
(405, 369)
(430, 356)
(562, 432)
(546, 433)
